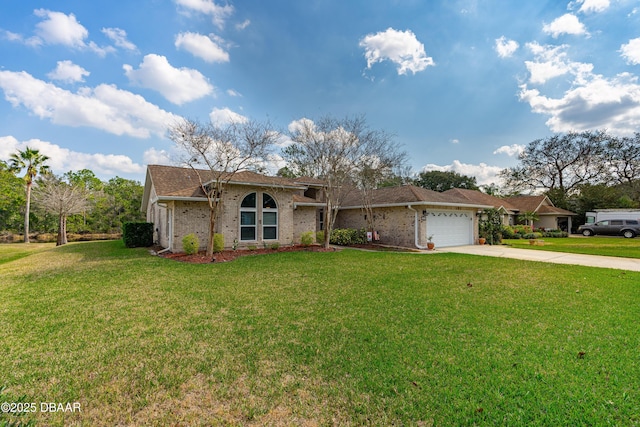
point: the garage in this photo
(450, 227)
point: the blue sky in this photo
(463, 85)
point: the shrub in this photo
(554, 233)
(509, 233)
(137, 234)
(532, 235)
(275, 246)
(320, 236)
(348, 236)
(190, 244)
(307, 238)
(252, 247)
(218, 242)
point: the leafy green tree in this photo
(445, 180)
(12, 200)
(121, 203)
(34, 163)
(490, 226)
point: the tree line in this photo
(37, 201)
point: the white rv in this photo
(603, 214)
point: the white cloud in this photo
(631, 51)
(566, 24)
(221, 116)
(104, 107)
(218, 13)
(588, 6)
(400, 47)
(510, 150)
(244, 24)
(68, 72)
(119, 37)
(232, 92)
(506, 48)
(153, 156)
(483, 173)
(62, 160)
(551, 62)
(202, 46)
(178, 85)
(454, 141)
(595, 103)
(59, 29)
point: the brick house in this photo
(258, 209)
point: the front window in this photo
(248, 217)
(269, 218)
(251, 211)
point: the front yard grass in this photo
(335, 338)
(608, 246)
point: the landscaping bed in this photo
(230, 255)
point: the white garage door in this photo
(450, 228)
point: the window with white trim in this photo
(269, 218)
(248, 216)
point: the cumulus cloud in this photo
(178, 85)
(233, 93)
(220, 116)
(68, 72)
(506, 48)
(119, 38)
(631, 51)
(400, 47)
(62, 160)
(551, 62)
(153, 156)
(587, 6)
(566, 24)
(219, 14)
(56, 28)
(596, 103)
(204, 47)
(483, 173)
(510, 150)
(104, 107)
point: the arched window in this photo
(269, 218)
(248, 214)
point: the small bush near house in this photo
(348, 236)
(307, 238)
(554, 233)
(190, 244)
(535, 235)
(320, 237)
(218, 242)
(275, 246)
(137, 234)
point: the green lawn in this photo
(307, 338)
(609, 246)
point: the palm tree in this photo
(33, 162)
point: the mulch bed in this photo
(229, 255)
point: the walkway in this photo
(547, 256)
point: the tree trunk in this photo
(62, 230)
(212, 231)
(26, 214)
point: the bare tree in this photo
(222, 150)
(624, 158)
(58, 197)
(560, 164)
(344, 153)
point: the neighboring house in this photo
(255, 209)
(549, 216)
(407, 215)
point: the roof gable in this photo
(476, 196)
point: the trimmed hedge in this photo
(348, 236)
(137, 234)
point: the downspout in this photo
(417, 233)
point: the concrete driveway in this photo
(547, 256)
